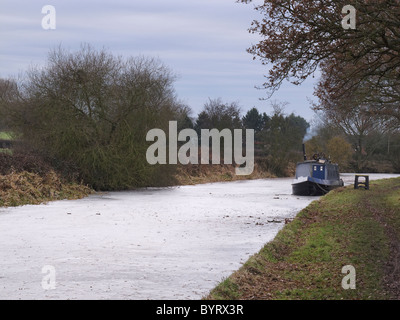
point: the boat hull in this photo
(314, 188)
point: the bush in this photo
(92, 111)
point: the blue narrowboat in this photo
(316, 177)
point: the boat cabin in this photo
(317, 169)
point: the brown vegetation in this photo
(195, 174)
(27, 178)
(20, 188)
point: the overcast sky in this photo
(203, 41)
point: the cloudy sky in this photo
(203, 41)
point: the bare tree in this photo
(219, 115)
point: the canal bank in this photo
(344, 246)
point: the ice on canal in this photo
(174, 243)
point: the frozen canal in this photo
(175, 243)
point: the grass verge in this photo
(305, 260)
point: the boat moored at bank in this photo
(316, 177)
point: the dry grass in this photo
(197, 174)
(20, 188)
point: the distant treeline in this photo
(278, 137)
(358, 142)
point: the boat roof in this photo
(320, 161)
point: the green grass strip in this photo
(305, 260)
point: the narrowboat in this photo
(316, 177)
